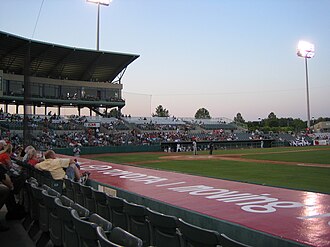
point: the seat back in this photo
(52, 183)
(68, 188)
(78, 196)
(117, 214)
(30, 205)
(48, 199)
(197, 236)
(55, 228)
(103, 238)
(164, 229)
(124, 238)
(69, 235)
(226, 241)
(89, 201)
(42, 209)
(86, 230)
(138, 224)
(101, 206)
(66, 201)
(100, 221)
(51, 191)
(82, 211)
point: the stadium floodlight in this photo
(99, 2)
(102, 2)
(306, 50)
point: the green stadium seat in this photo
(138, 224)
(229, 242)
(164, 229)
(116, 210)
(101, 204)
(68, 188)
(86, 228)
(118, 237)
(78, 196)
(197, 236)
(89, 201)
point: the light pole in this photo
(99, 2)
(306, 50)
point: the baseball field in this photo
(301, 168)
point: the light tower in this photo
(99, 2)
(306, 50)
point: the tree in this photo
(202, 113)
(161, 112)
(272, 120)
(299, 125)
(272, 116)
(239, 118)
(113, 113)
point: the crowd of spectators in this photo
(58, 132)
(13, 176)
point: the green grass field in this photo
(261, 172)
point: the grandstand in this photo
(36, 74)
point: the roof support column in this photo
(27, 97)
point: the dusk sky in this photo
(227, 56)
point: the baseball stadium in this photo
(148, 180)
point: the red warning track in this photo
(299, 216)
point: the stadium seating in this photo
(101, 204)
(164, 229)
(229, 242)
(197, 236)
(86, 228)
(89, 201)
(118, 237)
(28, 203)
(49, 196)
(117, 214)
(69, 235)
(40, 221)
(68, 188)
(78, 196)
(138, 224)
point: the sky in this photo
(227, 56)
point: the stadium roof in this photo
(60, 62)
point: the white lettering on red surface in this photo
(249, 202)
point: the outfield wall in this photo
(202, 145)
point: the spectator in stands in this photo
(13, 171)
(24, 153)
(56, 166)
(5, 154)
(32, 158)
(3, 143)
(15, 211)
